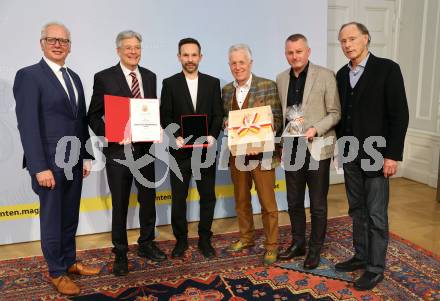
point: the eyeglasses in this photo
(53, 41)
(131, 49)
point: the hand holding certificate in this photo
(135, 119)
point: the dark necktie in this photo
(135, 90)
(69, 89)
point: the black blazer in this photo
(112, 81)
(176, 100)
(380, 108)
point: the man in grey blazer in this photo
(313, 89)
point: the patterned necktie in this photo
(70, 91)
(135, 90)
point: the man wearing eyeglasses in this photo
(127, 79)
(50, 106)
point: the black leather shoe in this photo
(350, 265)
(206, 248)
(120, 265)
(293, 251)
(368, 281)
(180, 248)
(151, 251)
(312, 260)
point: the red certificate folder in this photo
(195, 126)
(117, 115)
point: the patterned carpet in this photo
(412, 274)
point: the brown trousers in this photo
(264, 184)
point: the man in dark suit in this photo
(187, 93)
(127, 79)
(50, 106)
(374, 107)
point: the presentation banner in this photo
(94, 25)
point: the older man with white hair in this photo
(247, 91)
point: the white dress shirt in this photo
(129, 79)
(57, 70)
(192, 86)
(241, 92)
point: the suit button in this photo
(351, 93)
(348, 117)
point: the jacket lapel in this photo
(284, 88)
(145, 84)
(79, 91)
(200, 93)
(345, 81)
(53, 78)
(252, 91)
(310, 80)
(185, 91)
(365, 77)
(122, 81)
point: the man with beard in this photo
(187, 93)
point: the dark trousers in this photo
(59, 213)
(368, 206)
(179, 193)
(318, 183)
(120, 180)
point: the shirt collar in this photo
(54, 66)
(127, 71)
(302, 73)
(246, 86)
(361, 64)
(192, 79)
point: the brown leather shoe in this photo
(65, 285)
(81, 269)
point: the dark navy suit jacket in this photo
(45, 115)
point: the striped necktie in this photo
(135, 90)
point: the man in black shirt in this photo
(313, 89)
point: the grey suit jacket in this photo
(321, 107)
